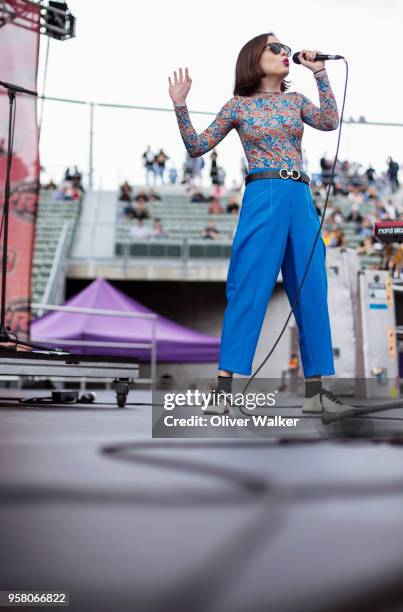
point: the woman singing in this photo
(278, 221)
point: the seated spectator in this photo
(215, 207)
(355, 195)
(76, 178)
(233, 206)
(126, 187)
(366, 228)
(128, 210)
(153, 195)
(355, 214)
(51, 186)
(323, 192)
(73, 192)
(345, 167)
(157, 230)
(66, 191)
(380, 210)
(326, 235)
(210, 231)
(391, 210)
(139, 211)
(329, 210)
(141, 196)
(2, 147)
(62, 194)
(338, 189)
(336, 216)
(125, 194)
(372, 216)
(198, 196)
(139, 230)
(371, 194)
(173, 175)
(369, 246)
(217, 191)
(336, 238)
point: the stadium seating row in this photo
(51, 217)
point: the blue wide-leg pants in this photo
(276, 229)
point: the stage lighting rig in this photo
(56, 20)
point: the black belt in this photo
(283, 173)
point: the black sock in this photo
(224, 383)
(312, 387)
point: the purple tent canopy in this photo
(174, 342)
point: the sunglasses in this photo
(276, 48)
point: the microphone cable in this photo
(314, 244)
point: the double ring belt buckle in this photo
(285, 174)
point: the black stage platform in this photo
(121, 372)
(92, 506)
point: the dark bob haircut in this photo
(247, 71)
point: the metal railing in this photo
(92, 107)
(106, 313)
(55, 285)
(181, 251)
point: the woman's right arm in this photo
(198, 144)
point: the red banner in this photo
(19, 49)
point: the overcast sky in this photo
(124, 52)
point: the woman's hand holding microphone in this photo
(179, 89)
(309, 62)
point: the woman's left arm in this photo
(326, 117)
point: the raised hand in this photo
(179, 89)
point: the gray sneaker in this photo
(312, 404)
(333, 408)
(219, 403)
(328, 406)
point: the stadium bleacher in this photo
(52, 215)
(181, 219)
(184, 220)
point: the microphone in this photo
(319, 57)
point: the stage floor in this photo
(198, 524)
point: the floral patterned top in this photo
(270, 125)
